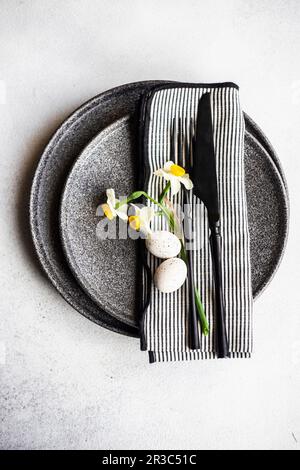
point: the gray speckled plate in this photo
(55, 163)
(106, 269)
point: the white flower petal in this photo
(175, 185)
(167, 165)
(122, 211)
(113, 210)
(186, 181)
(166, 173)
(136, 208)
(167, 176)
(160, 172)
(146, 213)
(111, 198)
(145, 228)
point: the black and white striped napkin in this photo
(165, 321)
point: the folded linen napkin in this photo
(164, 326)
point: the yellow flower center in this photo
(107, 211)
(134, 222)
(177, 170)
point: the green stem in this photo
(170, 217)
(137, 194)
(132, 197)
(183, 253)
(200, 309)
(201, 313)
(164, 192)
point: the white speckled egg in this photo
(163, 244)
(170, 275)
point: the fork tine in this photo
(173, 141)
(192, 140)
(180, 143)
(186, 145)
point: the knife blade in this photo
(204, 177)
(204, 161)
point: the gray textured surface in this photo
(52, 171)
(57, 159)
(66, 382)
(107, 269)
(268, 213)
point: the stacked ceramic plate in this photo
(96, 148)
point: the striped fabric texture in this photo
(166, 317)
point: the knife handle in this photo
(221, 335)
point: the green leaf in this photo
(135, 195)
(164, 192)
(201, 313)
(132, 197)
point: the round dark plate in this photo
(58, 157)
(106, 269)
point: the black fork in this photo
(183, 149)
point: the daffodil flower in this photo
(109, 208)
(176, 175)
(142, 218)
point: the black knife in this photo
(205, 188)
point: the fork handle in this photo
(221, 334)
(194, 342)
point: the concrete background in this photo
(65, 382)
